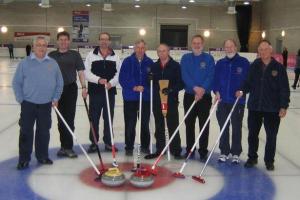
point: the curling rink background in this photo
(62, 180)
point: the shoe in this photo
(203, 158)
(129, 153)
(250, 163)
(45, 161)
(222, 158)
(66, 153)
(108, 147)
(270, 166)
(145, 151)
(178, 157)
(92, 148)
(151, 156)
(294, 87)
(23, 165)
(235, 159)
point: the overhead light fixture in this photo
(282, 33)
(137, 6)
(263, 34)
(107, 7)
(88, 5)
(231, 7)
(4, 29)
(45, 4)
(142, 32)
(191, 1)
(246, 3)
(183, 7)
(137, 0)
(60, 29)
(206, 33)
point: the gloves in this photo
(166, 91)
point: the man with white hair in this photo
(230, 73)
(37, 85)
(269, 97)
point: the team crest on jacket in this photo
(274, 73)
(239, 70)
(202, 65)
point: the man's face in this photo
(163, 52)
(63, 42)
(230, 48)
(40, 48)
(140, 50)
(265, 50)
(104, 41)
(197, 45)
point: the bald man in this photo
(269, 97)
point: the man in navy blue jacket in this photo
(134, 79)
(197, 69)
(230, 74)
(269, 97)
(166, 69)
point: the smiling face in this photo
(163, 52)
(63, 43)
(140, 49)
(197, 45)
(40, 47)
(230, 48)
(104, 41)
(265, 51)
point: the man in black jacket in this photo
(268, 86)
(166, 69)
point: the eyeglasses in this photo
(41, 45)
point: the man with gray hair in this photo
(37, 85)
(134, 79)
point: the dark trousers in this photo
(11, 53)
(297, 72)
(97, 105)
(200, 111)
(30, 114)
(131, 109)
(271, 122)
(236, 121)
(172, 123)
(67, 107)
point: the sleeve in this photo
(216, 80)
(126, 78)
(178, 80)
(284, 92)
(17, 83)
(87, 72)
(59, 85)
(246, 66)
(79, 63)
(246, 85)
(186, 76)
(210, 76)
(115, 80)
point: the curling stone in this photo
(142, 178)
(113, 177)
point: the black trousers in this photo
(236, 121)
(297, 73)
(271, 122)
(200, 111)
(11, 53)
(41, 115)
(97, 105)
(67, 107)
(172, 123)
(131, 109)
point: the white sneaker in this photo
(223, 158)
(235, 159)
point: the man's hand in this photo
(282, 113)
(138, 88)
(102, 81)
(239, 93)
(217, 97)
(199, 92)
(108, 85)
(54, 103)
(84, 93)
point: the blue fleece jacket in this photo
(38, 81)
(197, 71)
(229, 77)
(133, 73)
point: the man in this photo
(10, 47)
(133, 79)
(197, 69)
(268, 88)
(102, 72)
(166, 69)
(69, 62)
(230, 73)
(37, 85)
(285, 57)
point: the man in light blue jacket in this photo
(37, 85)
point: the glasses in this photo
(41, 45)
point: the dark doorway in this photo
(174, 35)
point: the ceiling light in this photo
(137, 0)
(137, 6)
(60, 29)
(142, 32)
(191, 1)
(206, 33)
(88, 5)
(263, 34)
(282, 33)
(4, 29)
(183, 7)
(45, 4)
(246, 3)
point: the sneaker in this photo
(250, 163)
(129, 153)
(45, 161)
(222, 158)
(23, 165)
(92, 148)
(235, 159)
(270, 166)
(294, 87)
(151, 156)
(66, 153)
(108, 147)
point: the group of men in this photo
(38, 82)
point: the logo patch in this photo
(239, 70)
(202, 65)
(274, 73)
